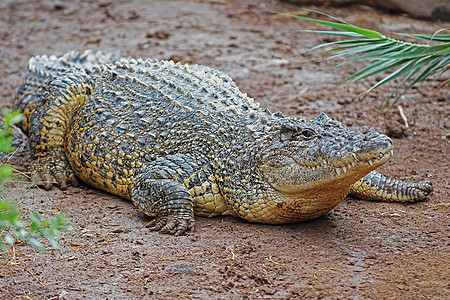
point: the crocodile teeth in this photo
(338, 171)
(370, 162)
(344, 168)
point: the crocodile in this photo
(180, 140)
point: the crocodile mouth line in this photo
(381, 158)
(344, 169)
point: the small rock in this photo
(59, 6)
(394, 128)
(160, 34)
(179, 268)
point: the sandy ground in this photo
(360, 250)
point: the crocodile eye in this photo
(307, 133)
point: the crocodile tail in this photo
(375, 186)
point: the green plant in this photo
(6, 139)
(12, 226)
(413, 62)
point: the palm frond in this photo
(434, 37)
(401, 58)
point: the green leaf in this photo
(35, 221)
(35, 243)
(3, 246)
(418, 78)
(409, 67)
(10, 118)
(351, 43)
(21, 233)
(436, 37)
(361, 49)
(53, 241)
(347, 26)
(5, 172)
(439, 50)
(338, 33)
(380, 53)
(45, 223)
(375, 68)
(9, 239)
(347, 45)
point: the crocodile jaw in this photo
(295, 178)
(295, 204)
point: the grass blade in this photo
(437, 38)
(339, 33)
(346, 27)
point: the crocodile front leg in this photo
(48, 126)
(162, 192)
(168, 202)
(376, 186)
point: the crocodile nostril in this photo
(387, 143)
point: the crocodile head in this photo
(311, 165)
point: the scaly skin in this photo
(180, 139)
(375, 186)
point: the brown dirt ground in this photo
(360, 250)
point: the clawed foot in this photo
(421, 190)
(46, 171)
(171, 225)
